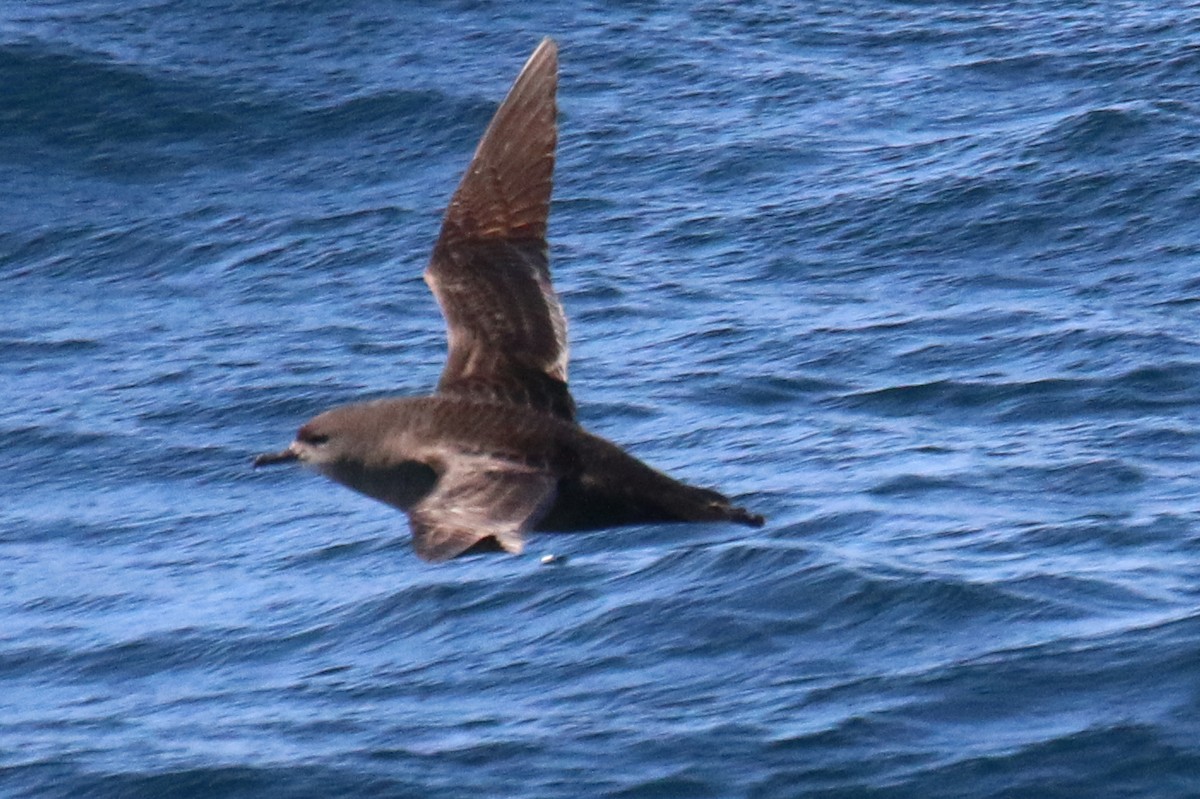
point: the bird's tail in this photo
(616, 488)
(688, 503)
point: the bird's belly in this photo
(401, 486)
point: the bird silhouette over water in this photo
(496, 451)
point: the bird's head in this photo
(319, 442)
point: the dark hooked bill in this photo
(268, 458)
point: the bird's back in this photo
(597, 483)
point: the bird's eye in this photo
(316, 439)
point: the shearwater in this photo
(496, 451)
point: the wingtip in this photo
(543, 60)
(547, 50)
(546, 53)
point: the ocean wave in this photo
(132, 120)
(1145, 390)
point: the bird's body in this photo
(497, 452)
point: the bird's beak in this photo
(269, 458)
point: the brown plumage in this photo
(496, 452)
(490, 269)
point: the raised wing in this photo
(477, 498)
(490, 270)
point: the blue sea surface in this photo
(919, 281)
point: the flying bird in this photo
(496, 451)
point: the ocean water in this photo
(920, 281)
